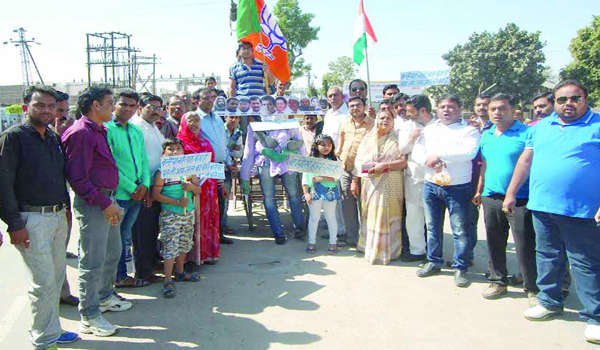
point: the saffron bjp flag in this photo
(361, 31)
(256, 25)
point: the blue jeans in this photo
(457, 199)
(290, 183)
(131, 210)
(561, 238)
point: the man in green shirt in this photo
(126, 142)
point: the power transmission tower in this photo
(114, 53)
(26, 56)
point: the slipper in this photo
(331, 251)
(186, 277)
(131, 282)
(168, 290)
(310, 249)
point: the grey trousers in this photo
(349, 208)
(66, 289)
(99, 257)
(45, 265)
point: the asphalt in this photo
(264, 296)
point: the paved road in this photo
(262, 296)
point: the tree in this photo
(511, 58)
(340, 70)
(585, 49)
(14, 109)
(298, 32)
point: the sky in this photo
(194, 37)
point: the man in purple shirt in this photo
(93, 175)
(272, 161)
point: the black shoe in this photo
(413, 257)
(71, 255)
(428, 270)
(460, 278)
(515, 280)
(280, 240)
(70, 300)
(298, 234)
(225, 240)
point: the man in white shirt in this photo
(337, 115)
(145, 229)
(399, 106)
(447, 148)
(418, 111)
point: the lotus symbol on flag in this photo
(270, 29)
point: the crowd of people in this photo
(403, 166)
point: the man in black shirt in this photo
(34, 199)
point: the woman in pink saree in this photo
(206, 230)
(381, 171)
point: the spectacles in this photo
(563, 99)
(355, 89)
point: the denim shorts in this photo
(322, 193)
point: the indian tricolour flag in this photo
(362, 30)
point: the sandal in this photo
(186, 277)
(332, 250)
(228, 231)
(168, 290)
(310, 249)
(131, 282)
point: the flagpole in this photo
(367, 59)
(265, 82)
(368, 75)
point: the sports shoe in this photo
(67, 338)
(115, 303)
(99, 327)
(460, 278)
(494, 291)
(428, 270)
(592, 333)
(540, 313)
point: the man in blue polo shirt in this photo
(562, 159)
(501, 146)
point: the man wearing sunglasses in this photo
(145, 230)
(562, 159)
(358, 87)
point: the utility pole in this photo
(26, 56)
(154, 74)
